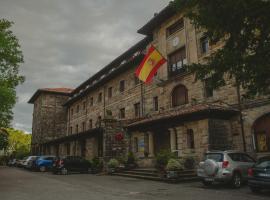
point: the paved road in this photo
(23, 185)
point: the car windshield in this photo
(263, 163)
(218, 157)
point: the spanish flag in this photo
(150, 64)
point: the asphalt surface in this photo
(19, 184)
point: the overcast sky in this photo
(64, 42)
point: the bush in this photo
(113, 163)
(162, 159)
(4, 160)
(131, 158)
(174, 165)
(97, 164)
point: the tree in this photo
(18, 143)
(3, 139)
(10, 59)
(243, 27)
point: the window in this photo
(175, 27)
(137, 108)
(176, 62)
(71, 111)
(84, 105)
(122, 86)
(208, 88)
(91, 101)
(110, 92)
(122, 113)
(155, 103)
(136, 145)
(78, 108)
(136, 80)
(179, 96)
(204, 44)
(77, 128)
(247, 158)
(90, 124)
(100, 97)
(70, 130)
(83, 126)
(190, 139)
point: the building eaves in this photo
(58, 91)
(185, 113)
(158, 19)
(131, 57)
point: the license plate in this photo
(264, 175)
(209, 179)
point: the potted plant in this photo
(113, 164)
(162, 159)
(173, 167)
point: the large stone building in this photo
(175, 112)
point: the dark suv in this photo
(67, 164)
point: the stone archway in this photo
(261, 129)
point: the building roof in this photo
(58, 91)
(132, 55)
(185, 113)
(158, 18)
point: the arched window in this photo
(190, 139)
(262, 133)
(179, 96)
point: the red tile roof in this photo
(59, 91)
(183, 112)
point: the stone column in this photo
(172, 140)
(151, 144)
(180, 144)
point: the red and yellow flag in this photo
(150, 64)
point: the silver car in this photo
(225, 166)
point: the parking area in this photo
(24, 185)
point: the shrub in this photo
(162, 159)
(174, 165)
(97, 164)
(113, 163)
(131, 158)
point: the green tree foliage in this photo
(10, 59)
(243, 26)
(18, 143)
(3, 139)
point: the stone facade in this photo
(49, 116)
(146, 114)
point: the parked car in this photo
(225, 166)
(29, 162)
(20, 162)
(12, 162)
(68, 164)
(44, 163)
(259, 175)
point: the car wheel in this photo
(207, 183)
(42, 169)
(64, 171)
(255, 189)
(236, 180)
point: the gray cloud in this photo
(65, 41)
